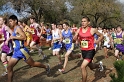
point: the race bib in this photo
(84, 44)
(48, 34)
(3, 37)
(67, 41)
(105, 38)
(117, 41)
(32, 31)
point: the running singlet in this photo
(48, 32)
(67, 37)
(6, 48)
(87, 39)
(33, 30)
(20, 51)
(74, 29)
(34, 34)
(55, 35)
(118, 38)
(17, 44)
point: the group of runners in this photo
(60, 38)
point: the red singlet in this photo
(87, 39)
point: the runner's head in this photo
(85, 22)
(13, 20)
(32, 19)
(65, 25)
(119, 28)
(53, 26)
(24, 23)
(1, 20)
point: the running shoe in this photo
(48, 69)
(61, 70)
(4, 74)
(101, 66)
(44, 57)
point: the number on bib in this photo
(84, 44)
(67, 41)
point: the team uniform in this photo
(119, 43)
(28, 35)
(87, 44)
(56, 44)
(96, 38)
(74, 29)
(68, 40)
(106, 40)
(20, 51)
(35, 33)
(49, 35)
(8, 49)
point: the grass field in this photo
(25, 73)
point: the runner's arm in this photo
(21, 33)
(76, 36)
(99, 34)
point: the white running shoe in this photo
(101, 66)
(44, 57)
(31, 51)
(4, 74)
(39, 52)
(50, 48)
(48, 69)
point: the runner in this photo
(56, 41)
(85, 34)
(43, 30)
(100, 43)
(20, 51)
(67, 40)
(119, 42)
(36, 37)
(27, 32)
(49, 35)
(106, 42)
(74, 28)
(6, 46)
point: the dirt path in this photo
(25, 73)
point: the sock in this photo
(5, 63)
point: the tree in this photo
(99, 11)
(49, 11)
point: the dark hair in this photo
(66, 23)
(48, 24)
(5, 20)
(25, 22)
(32, 17)
(13, 17)
(85, 17)
(119, 26)
(20, 21)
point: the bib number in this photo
(84, 44)
(67, 41)
(118, 41)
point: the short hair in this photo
(5, 20)
(66, 23)
(13, 17)
(119, 26)
(47, 24)
(25, 22)
(33, 17)
(85, 17)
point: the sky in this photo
(121, 0)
